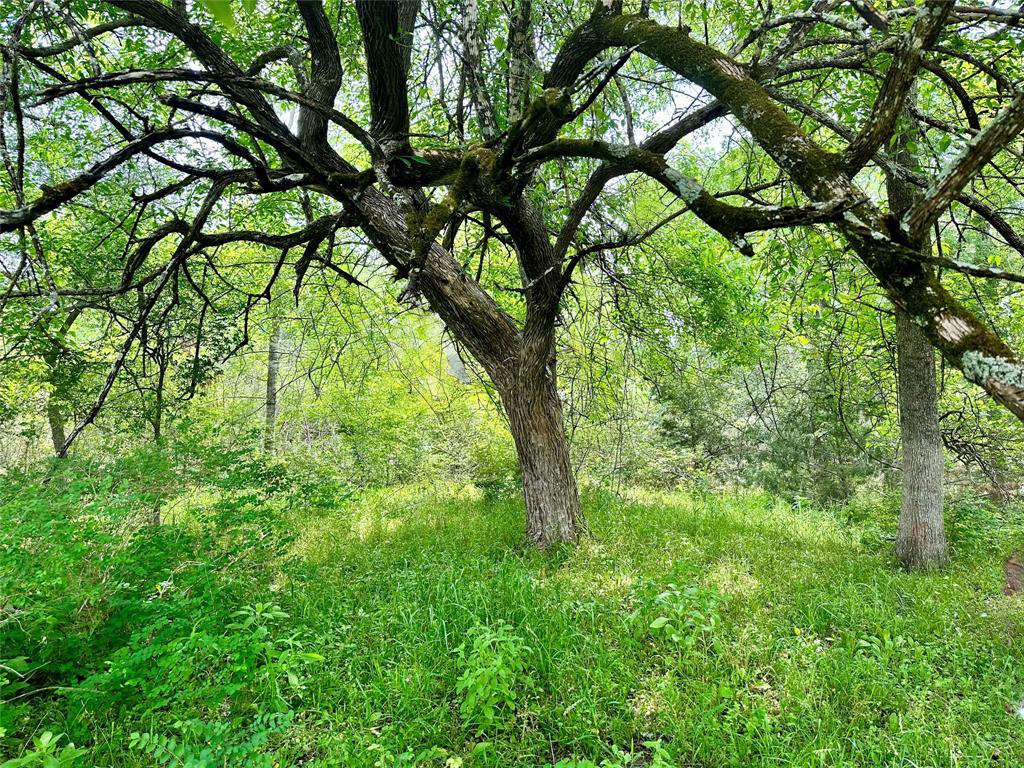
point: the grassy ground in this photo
(408, 627)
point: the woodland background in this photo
(295, 533)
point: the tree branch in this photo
(899, 79)
(976, 155)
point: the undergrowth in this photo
(237, 611)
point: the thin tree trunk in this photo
(56, 421)
(552, 501)
(158, 407)
(51, 357)
(921, 542)
(273, 365)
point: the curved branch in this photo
(323, 86)
(55, 196)
(957, 332)
(731, 221)
(387, 40)
(976, 155)
(133, 77)
(80, 38)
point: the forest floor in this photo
(270, 620)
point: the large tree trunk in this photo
(550, 494)
(520, 362)
(273, 366)
(921, 542)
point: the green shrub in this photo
(47, 753)
(494, 676)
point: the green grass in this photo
(780, 637)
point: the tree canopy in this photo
(487, 156)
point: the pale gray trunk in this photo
(273, 366)
(473, 68)
(456, 367)
(522, 57)
(921, 542)
(552, 501)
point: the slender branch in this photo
(54, 196)
(976, 155)
(80, 38)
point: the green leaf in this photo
(222, 12)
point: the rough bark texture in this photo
(56, 421)
(552, 501)
(273, 366)
(387, 34)
(921, 542)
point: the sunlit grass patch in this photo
(821, 652)
(414, 628)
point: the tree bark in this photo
(921, 541)
(56, 421)
(273, 366)
(51, 357)
(553, 513)
(158, 407)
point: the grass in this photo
(409, 627)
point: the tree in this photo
(52, 357)
(921, 539)
(454, 157)
(273, 367)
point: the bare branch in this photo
(54, 196)
(80, 38)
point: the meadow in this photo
(245, 611)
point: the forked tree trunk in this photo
(553, 513)
(921, 541)
(520, 362)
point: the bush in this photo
(122, 619)
(494, 676)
